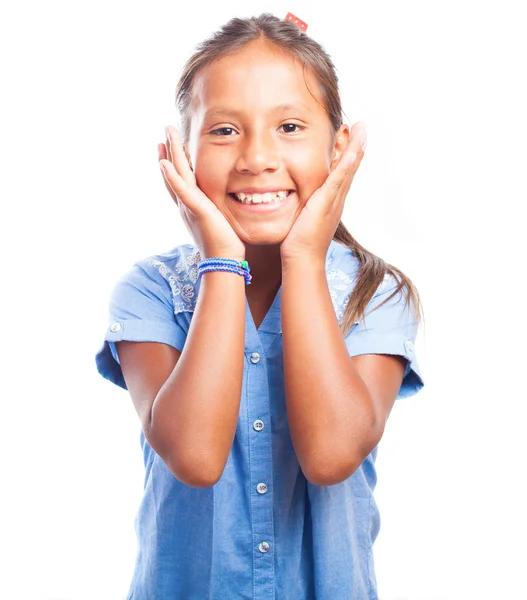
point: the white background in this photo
(87, 88)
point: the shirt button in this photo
(258, 425)
(409, 346)
(261, 488)
(115, 327)
(255, 357)
(263, 547)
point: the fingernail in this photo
(167, 131)
(352, 158)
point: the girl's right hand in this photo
(211, 231)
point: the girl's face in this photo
(255, 127)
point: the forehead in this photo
(258, 77)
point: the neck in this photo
(266, 267)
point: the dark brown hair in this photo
(234, 36)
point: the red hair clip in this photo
(301, 25)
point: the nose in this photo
(258, 153)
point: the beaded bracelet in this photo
(241, 267)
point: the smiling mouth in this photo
(266, 207)
(259, 199)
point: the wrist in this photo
(231, 255)
(240, 267)
(303, 262)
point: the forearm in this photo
(196, 410)
(329, 408)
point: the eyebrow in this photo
(221, 111)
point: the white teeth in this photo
(261, 198)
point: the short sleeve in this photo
(141, 310)
(389, 329)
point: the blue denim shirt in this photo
(262, 532)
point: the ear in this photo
(342, 138)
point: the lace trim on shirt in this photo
(340, 283)
(181, 280)
(343, 283)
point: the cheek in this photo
(211, 174)
(310, 170)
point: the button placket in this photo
(260, 465)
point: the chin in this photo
(263, 238)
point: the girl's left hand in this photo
(313, 230)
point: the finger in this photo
(360, 134)
(186, 194)
(189, 160)
(357, 145)
(167, 146)
(179, 158)
(341, 177)
(161, 152)
(170, 179)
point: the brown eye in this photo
(291, 125)
(223, 129)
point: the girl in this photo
(264, 360)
